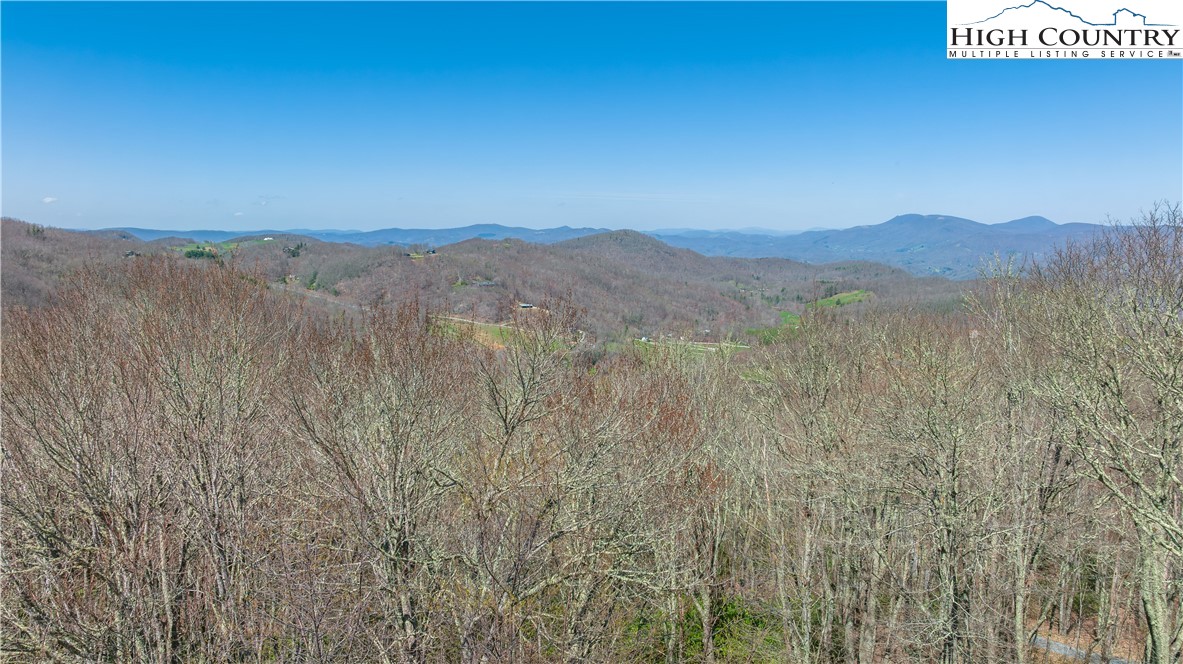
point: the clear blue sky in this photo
(711, 115)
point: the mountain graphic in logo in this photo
(1124, 16)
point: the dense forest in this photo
(200, 467)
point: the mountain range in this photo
(435, 237)
(924, 245)
(921, 244)
(626, 284)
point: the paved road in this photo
(1065, 650)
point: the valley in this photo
(627, 285)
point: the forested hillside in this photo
(35, 257)
(200, 466)
(626, 284)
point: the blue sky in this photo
(657, 115)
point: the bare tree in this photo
(383, 407)
(137, 464)
(1111, 311)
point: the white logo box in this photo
(1064, 29)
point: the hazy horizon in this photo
(361, 116)
(755, 230)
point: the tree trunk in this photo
(1020, 610)
(707, 616)
(1154, 603)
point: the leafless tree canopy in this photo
(196, 468)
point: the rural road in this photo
(1065, 650)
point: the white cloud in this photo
(49, 199)
(238, 214)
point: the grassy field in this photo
(222, 248)
(487, 334)
(842, 299)
(790, 321)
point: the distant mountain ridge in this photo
(941, 245)
(400, 236)
(921, 244)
